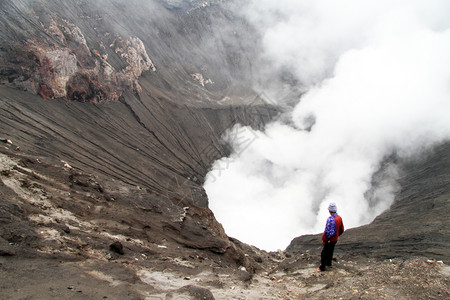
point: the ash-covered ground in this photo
(108, 126)
(67, 234)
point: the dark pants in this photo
(326, 255)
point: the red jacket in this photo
(339, 230)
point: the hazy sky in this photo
(378, 80)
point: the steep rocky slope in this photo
(139, 103)
(93, 51)
(169, 121)
(111, 115)
(67, 234)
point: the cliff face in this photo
(58, 63)
(90, 51)
(150, 63)
(135, 93)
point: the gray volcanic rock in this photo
(138, 96)
(172, 98)
(61, 64)
(92, 51)
(155, 118)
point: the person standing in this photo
(333, 229)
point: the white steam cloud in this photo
(378, 79)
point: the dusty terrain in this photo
(101, 185)
(66, 234)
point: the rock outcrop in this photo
(61, 65)
(92, 52)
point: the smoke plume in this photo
(377, 75)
